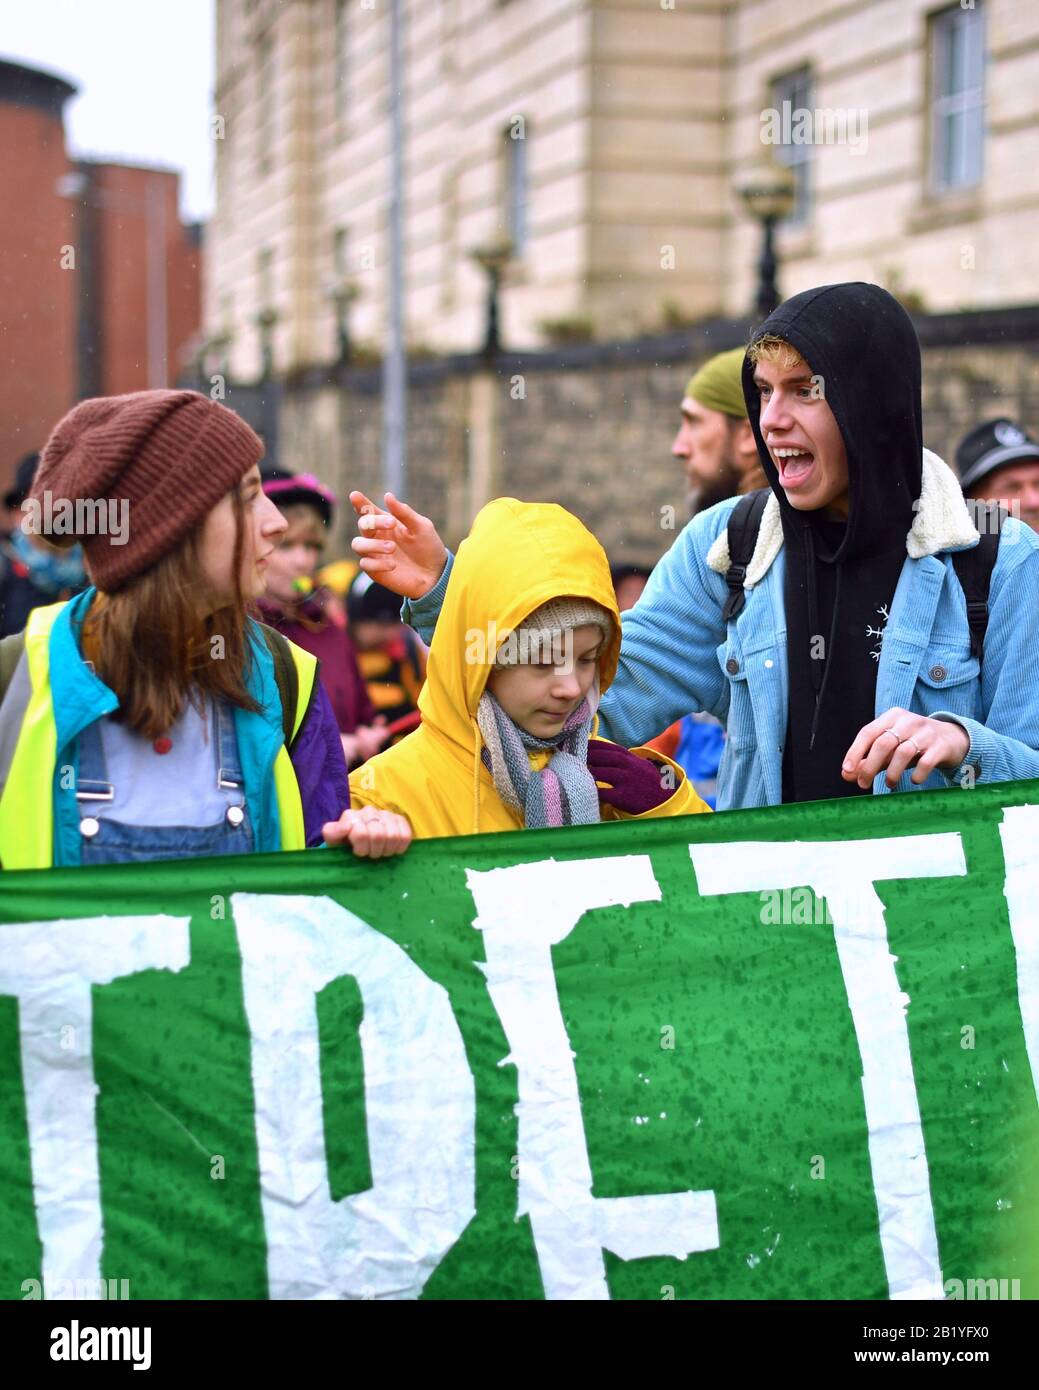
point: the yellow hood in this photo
(518, 556)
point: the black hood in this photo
(863, 345)
(840, 576)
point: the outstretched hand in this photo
(398, 547)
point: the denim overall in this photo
(109, 841)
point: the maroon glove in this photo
(634, 785)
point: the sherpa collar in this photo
(942, 522)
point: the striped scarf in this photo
(564, 791)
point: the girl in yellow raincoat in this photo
(526, 642)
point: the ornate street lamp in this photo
(493, 257)
(768, 191)
(265, 321)
(342, 293)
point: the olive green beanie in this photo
(718, 384)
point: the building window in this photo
(516, 184)
(793, 92)
(265, 101)
(957, 98)
(340, 60)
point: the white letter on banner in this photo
(419, 1101)
(50, 967)
(843, 872)
(1020, 833)
(523, 912)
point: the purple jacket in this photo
(320, 767)
(313, 628)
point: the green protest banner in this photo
(777, 1054)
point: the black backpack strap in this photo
(974, 571)
(744, 525)
(286, 675)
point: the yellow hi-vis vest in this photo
(27, 806)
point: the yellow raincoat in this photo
(517, 557)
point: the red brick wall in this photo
(133, 205)
(37, 297)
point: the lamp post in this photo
(265, 321)
(342, 294)
(768, 192)
(492, 257)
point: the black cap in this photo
(23, 476)
(370, 602)
(995, 444)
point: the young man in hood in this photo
(850, 666)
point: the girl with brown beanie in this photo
(151, 717)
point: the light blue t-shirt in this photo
(162, 789)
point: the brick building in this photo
(99, 278)
(38, 374)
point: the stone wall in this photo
(592, 428)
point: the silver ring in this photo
(893, 735)
(919, 750)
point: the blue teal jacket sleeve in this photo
(669, 664)
(1004, 743)
(422, 613)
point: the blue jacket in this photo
(678, 655)
(80, 697)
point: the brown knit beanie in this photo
(130, 476)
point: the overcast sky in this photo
(144, 69)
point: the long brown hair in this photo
(150, 647)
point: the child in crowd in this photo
(312, 617)
(527, 640)
(391, 658)
(150, 717)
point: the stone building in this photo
(606, 139)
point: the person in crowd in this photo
(842, 657)
(999, 462)
(311, 616)
(628, 583)
(391, 658)
(715, 442)
(527, 641)
(150, 717)
(32, 572)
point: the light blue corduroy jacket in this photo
(678, 656)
